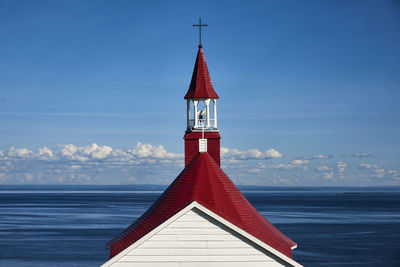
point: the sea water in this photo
(70, 225)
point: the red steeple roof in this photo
(200, 86)
(204, 181)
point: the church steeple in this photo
(201, 116)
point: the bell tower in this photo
(201, 102)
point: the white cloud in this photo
(341, 166)
(272, 153)
(328, 175)
(92, 153)
(362, 155)
(283, 166)
(329, 172)
(299, 162)
(120, 153)
(317, 156)
(261, 165)
(100, 152)
(149, 163)
(380, 173)
(45, 154)
(233, 153)
(19, 152)
(323, 168)
(294, 164)
(374, 169)
(150, 151)
(393, 173)
(75, 167)
(321, 156)
(85, 153)
(68, 151)
(366, 166)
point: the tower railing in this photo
(201, 123)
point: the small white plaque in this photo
(202, 145)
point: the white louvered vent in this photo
(202, 145)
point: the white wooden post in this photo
(188, 114)
(215, 113)
(195, 102)
(208, 112)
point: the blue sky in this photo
(92, 91)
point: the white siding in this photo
(196, 264)
(196, 239)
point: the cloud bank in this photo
(69, 163)
(93, 152)
(233, 153)
(363, 155)
(146, 163)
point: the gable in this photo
(195, 238)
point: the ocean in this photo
(69, 225)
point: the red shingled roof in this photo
(204, 181)
(200, 86)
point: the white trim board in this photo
(221, 222)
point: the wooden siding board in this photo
(190, 231)
(191, 218)
(206, 237)
(198, 224)
(147, 264)
(230, 264)
(197, 264)
(164, 238)
(195, 244)
(194, 251)
(195, 238)
(166, 245)
(196, 258)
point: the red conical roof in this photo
(200, 86)
(204, 181)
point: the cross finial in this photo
(200, 25)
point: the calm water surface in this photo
(69, 225)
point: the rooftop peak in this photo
(200, 85)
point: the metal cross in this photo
(200, 25)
